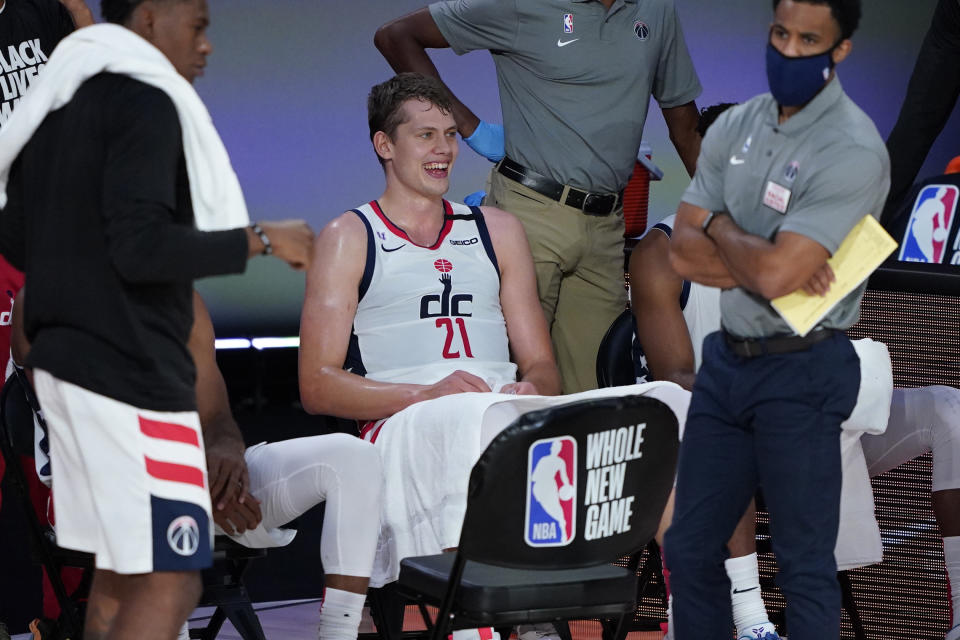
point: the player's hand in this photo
(487, 140)
(520, 388)
(456, 382)
(237, 517)
(227, 471)
(820, 281)
(290, 240)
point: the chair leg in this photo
(563, 630)
(846, 590)
(387, 609)
(244, 619)
(444, 615)
(619, 632)
(651, 568)
(210, 631)
(427, 622)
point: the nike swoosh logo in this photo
(734, 160)
(745, 590)
(392, 250)
(561, 43)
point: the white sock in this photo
(951, 557)
(184, 633)
(669, 635)
(340, 614)
(745, 594)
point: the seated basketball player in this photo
(256, 490)
(426, 301)
(673, 317)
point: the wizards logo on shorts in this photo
(932, 218)
(551, 519)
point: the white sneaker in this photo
(762, 631)
(539, 631)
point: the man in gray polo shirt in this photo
(575, 80)
(780, 182)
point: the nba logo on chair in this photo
(551, 492)
(926, 238)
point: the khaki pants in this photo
(579, 263)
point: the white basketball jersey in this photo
(425, 312)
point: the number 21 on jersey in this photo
(461, 328)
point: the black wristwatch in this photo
(711, 216)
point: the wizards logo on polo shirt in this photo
(931, 221)
(551, 519)
(641, 29)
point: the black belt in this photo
(594, 204)
(753, 347)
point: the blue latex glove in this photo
(475, 199)
(487, 140)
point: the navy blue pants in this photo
(773, 422)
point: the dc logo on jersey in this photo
(551, 519)
(445, 304)
(791, 172)
(568, 23)
(641, 29)
(183, 536)
(925, 239)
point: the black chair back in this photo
(572, 486)
(614, 357)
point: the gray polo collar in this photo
(801, 120)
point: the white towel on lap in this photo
(429, 449)
(217, 198)
(858, 537)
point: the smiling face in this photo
(421, 153)
(179, 30)
(803, 29)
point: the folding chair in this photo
(223, 582)
(533, 549)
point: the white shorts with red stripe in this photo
(129, 485)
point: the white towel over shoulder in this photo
(217, 198)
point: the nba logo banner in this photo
(568, 23)
(551, 519)
(928, 230)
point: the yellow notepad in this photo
(863, 250)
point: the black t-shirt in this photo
(29, 32)
(99, 214)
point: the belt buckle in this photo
(597, 198)
(752, 348)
